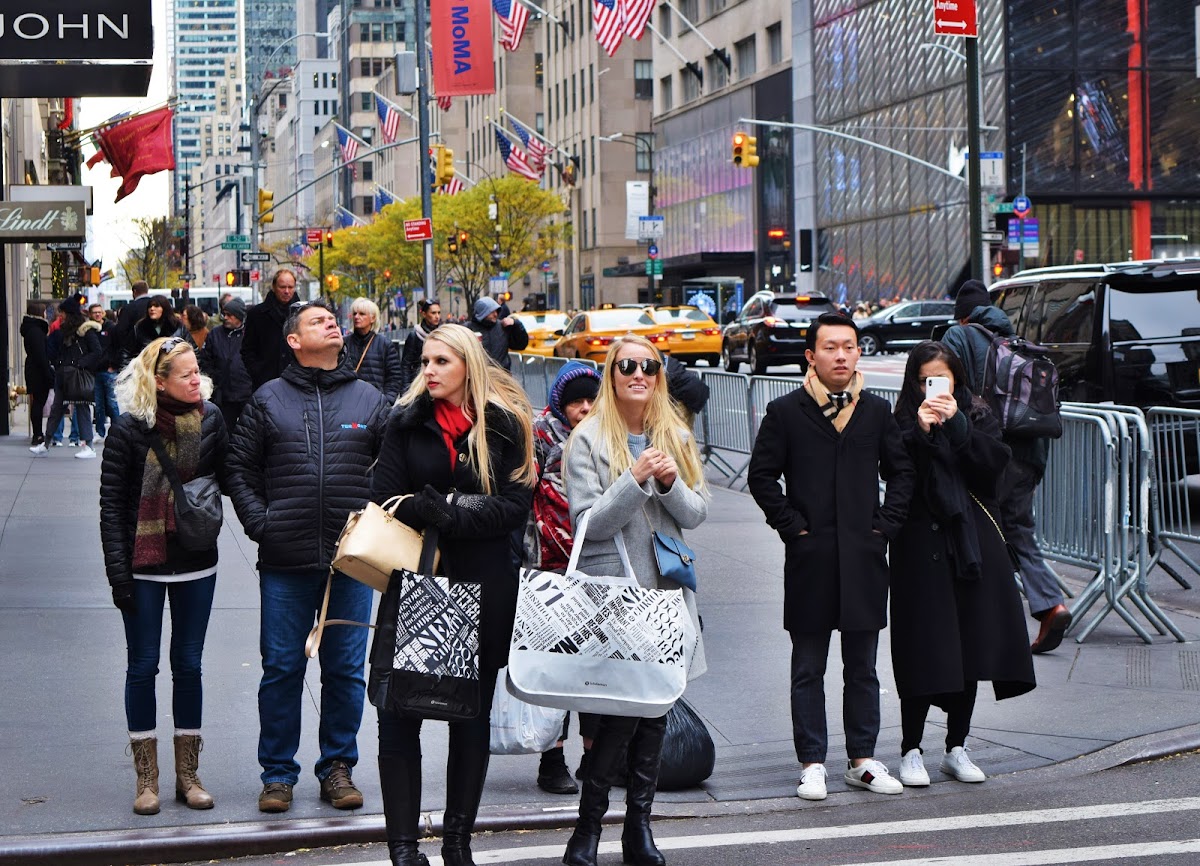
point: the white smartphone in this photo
(936, 386)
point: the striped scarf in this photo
(178, 424)
(836, 407)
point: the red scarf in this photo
(454, 423)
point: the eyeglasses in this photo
(169, 345)
(649, 366)
(300, 306)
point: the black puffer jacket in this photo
(499, 340)
(265, 352)
(39, 377)
(81, 349)
(221, 360)
(478, 547)
(380, 361)
(121, 490)
(124, 343)
(300, 462)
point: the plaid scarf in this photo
(836, 406)
(178, 425)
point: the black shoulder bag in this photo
(198, 510)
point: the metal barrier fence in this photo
(1176, 435)
(536, 373)
(726, 422)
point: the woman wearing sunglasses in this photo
(165, 399)
(633, 466)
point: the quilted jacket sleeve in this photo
(117, 474)
(244, 470)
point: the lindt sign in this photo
(29, 221)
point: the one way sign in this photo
(955, 18)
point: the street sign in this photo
(187, 278)
(60, 246)
(992, 237)
(313, 237)
(652, 251)
(650, 227)
(1022, 206)
(236, 245)
(418, 230)
(256, 257)
(546, 267)
(1027, 231)
(654, 267)
(991, 169)
(955, 18)
(237, 239)
(1002, 207)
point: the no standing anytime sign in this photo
(955, 18)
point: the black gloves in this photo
(432, 507)
(122, 594)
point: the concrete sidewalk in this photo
(68, 784)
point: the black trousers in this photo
(860, 694)
(959, 708)
(38, 395)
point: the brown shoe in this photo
(337, 789)
(188, 788)
(275, 797)
(145, 763)
(1055, 623)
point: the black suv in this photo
(1126, 332)
(771, 330)
(901, 326)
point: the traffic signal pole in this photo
(974, 182)
(423, 138)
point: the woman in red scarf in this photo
(460, 442)
(164, 397)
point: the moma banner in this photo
(462, 47)
(75, 47)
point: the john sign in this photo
(46, 47)
(29, 221)
(461, 35)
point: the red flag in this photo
(136, 146)
(461, 33)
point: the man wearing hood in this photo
(265, 352)
(221, 360)
(972, 307)
(39, 377)
(499, 332)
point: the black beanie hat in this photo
(971, 294)
(579, 388)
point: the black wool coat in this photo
(221, 360)
(949, 625)
(478, 547)
(147, 331)
(265, 351)
(39, 376)
(836, 575)
(380, 361)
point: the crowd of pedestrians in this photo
(301, 426)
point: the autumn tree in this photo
(156, 257)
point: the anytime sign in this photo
(41, 221)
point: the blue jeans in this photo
(290, 604)
(191, 604)
(58, 430)
(106, 400)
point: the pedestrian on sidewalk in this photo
(633, 466)
(548, 539)
(106, 376)
(460, 443)
(498, 330)
(830, 440)
(196, 322)
(160, 321)
(39, 375)
(166, 406)
(970, 341)
(221, 361)
(265, 349)
(126, 345)
(71, 416)
(76, 343)
(956, 613)
(410, 358)
(299, 463)
(372, 355)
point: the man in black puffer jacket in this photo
(299, 463)
(221, 361)
(265, 350)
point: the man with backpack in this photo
(973, 344)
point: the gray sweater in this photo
(632, 509)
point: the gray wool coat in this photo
(627, 507)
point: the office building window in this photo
(745, 54)
(539, 123)
(665, 91)
(365, 104)
(368, 169)
(584, 232)
(368, 205)
(774, 44)
(664, 21)
(364, 67)
(690, 9)
(643, 79)
(717, 74)
(539, 70)
(691, 85)
(645, 151)
(715, 6)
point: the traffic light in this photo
(332, 282)
(329, 238)
(497, 258)
(462, 239)
(504, 297)
(387, 273)
(445, 166)
(745, 150)
(997, 269)
(266, 201)
(231, 278)
(452, 245)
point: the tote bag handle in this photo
(622, 551)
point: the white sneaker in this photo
(38, 450)
(97, 439)
(873, 776)
(912, 770)
(957, 764)
(58, 443)
(85, 452)
(812, 783)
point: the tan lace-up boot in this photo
(145, 763)
(187, 784)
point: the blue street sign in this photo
(652, 251)
(1022, 206)
(546, 266)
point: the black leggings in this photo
(959, 707)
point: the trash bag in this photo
(688, 752)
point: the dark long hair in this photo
(911, 395)
(169, 321)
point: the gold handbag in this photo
(374, 543)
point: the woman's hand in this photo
(666, 470)
(927, 417)
(643, 467)
(945, 405)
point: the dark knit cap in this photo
(580, 388)
(72, 306)
(574, 381)
(235, 307)
(971, 294)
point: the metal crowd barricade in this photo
(1176, 435)
(533, 368)
(764, 389)
(726, 422)
(889, 394)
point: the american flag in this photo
(637, 16)
(442, 101)
(514, 158)
(452, 187)
(389, 119)
(534, 146)
(383, 198)
(349, 145)
(513, 17)
(608, 22)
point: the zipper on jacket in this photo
(307, 436)
(320, 473)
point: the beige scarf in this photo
(836, 407)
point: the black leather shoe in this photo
(581, 849)
(1055, 623)
(553, 775)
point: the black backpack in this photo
(1020, 383)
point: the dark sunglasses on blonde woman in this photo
(649, 366)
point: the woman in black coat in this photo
(956, 614)
(160, 321)
(76, 343)
(462, 445)
(410, 358)
(163, 395)
(371, 355)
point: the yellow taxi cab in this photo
(542, 326)
(590, 334)
(692, 335)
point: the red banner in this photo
(135, 147)
(462, 47)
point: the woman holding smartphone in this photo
(956, 614)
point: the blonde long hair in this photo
(137, 392)
(486, 383)
(665, 427)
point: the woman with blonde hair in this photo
(167, 415)
(632, 466)
(460, 442)
(372, 356)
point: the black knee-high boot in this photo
(466, 769)
(605, 764)
(645, 753)
(400, 784)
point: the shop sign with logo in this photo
(30, 221)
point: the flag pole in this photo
(423, 137)
(79, 134)
(534, 133)
(403, 111)
(540, 11)
(721, 53)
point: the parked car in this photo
(901, 326)
(692, 335)
(770, 331)
(542, 327)
(590, 334)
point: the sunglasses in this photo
(300, 306)
(169, 345)
(627, 366)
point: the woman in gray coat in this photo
(633, 467)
